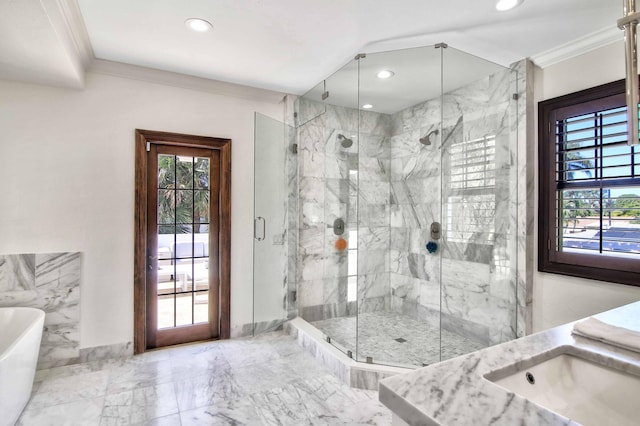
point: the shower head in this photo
(345, 141)
(426, 139)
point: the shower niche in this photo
(388, 145)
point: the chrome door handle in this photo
(255, 228)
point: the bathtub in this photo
(20, 334)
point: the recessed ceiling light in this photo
(367, 106)
(503, 5)
(199, 25)
(385, 74)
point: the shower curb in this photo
(355, 374)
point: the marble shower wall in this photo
(471, 286)
(50, 282)
(334, 182)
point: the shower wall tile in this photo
(375, 146)
(335, 290)
(373, 238)
(371, 192)
(311, 267)
(312, 163)
(339, 117)
(404, 287)
(335, 264)
(374, 214)
(399, 239)
(307, 110)
(374, 169)
(430, 293)
(50, 282)
(337, 190)
(373, 123)
(337, 166)
(522, 129)
(311, 138)
(311, 240)
(372, 261)
(311, 189)
(312, 214)
(373, 285)
(310, 293)
(373, 304)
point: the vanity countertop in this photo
(454, 392)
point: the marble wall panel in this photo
(50, 282)
(17, 272)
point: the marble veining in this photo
(265, 380)
(51, 282)
(456, 392)
(389, 188)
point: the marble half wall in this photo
(51, 282)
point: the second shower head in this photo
(426, 139)
(345, 141)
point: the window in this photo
(472, 179)
(589, 193)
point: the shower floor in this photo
(395, 339)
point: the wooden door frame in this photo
(140, 230)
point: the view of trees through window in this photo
(598, 178)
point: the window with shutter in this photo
(589, 223)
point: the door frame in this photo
(142, 139)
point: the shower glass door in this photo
(399, 200)
(270, 244)
(479, 189)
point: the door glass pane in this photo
(184, 309)
(201, 307)
(184, 206)
(166, 206)
(201, 173)
(166, 311)
(183, 240)
(166, 171)
(201, 208)
(184, 172)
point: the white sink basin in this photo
(582, 390)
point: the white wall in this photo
(67, 173)
(558, 299)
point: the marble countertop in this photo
(455, 392)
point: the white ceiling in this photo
(281, 45)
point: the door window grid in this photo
(183, 199)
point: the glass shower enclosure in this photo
(405, 201)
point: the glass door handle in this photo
(255, 228)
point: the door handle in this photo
(150, 261)
(255, 228)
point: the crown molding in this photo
(578, 47)
(76, 29)
(66, 19)
(184, 81)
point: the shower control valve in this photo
(436, 231)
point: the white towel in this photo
(607, 333)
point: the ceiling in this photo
(279, 45)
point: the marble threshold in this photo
(351, 372)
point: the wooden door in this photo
(186, 243)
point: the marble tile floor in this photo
(377, 335)
(266, 380)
